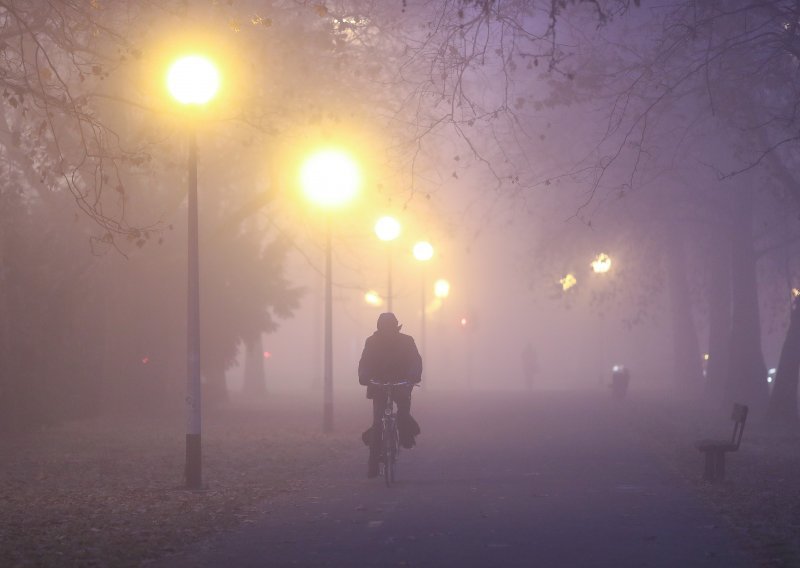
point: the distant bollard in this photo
(620, 377)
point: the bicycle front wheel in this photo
(390, 453)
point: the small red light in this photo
(145, 360)
(267, 354)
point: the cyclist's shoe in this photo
(372, 469)
(407, 441)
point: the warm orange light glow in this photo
(330, 177)
(602, 263)
(373, 298)
(441, 288)
(387, 228)
(423, 251)
(193, 80)
(795, 292)
(267, 354)
(568, 281)
(463, 322)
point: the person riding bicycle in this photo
(389, 357)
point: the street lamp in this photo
(330, 178)
(388, 229)
(193, 80)
(423, 252)
(601, 265)
(568, 281)
(373, 298)
(441, 289)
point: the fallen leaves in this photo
(109, 492)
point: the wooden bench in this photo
(715, 449)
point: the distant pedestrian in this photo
(388, 357)
(530, 365)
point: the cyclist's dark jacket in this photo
(389, 356)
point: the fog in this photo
(189, 272)
(490, 286)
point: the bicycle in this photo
(390, 437)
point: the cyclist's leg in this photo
(406, 425)
(378, 405)
(402, 397)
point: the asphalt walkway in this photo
(499, 480)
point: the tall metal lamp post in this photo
(193, 81)
(330, 178)
(388, 229)
(441, 289)
(423, 252)
(602, 265)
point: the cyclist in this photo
(389, 356)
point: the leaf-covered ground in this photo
(108, 492)
(760, 496)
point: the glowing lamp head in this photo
(193, 80)
(387, 228)
(602, 263)
(373, 298)
(423, 251)
(441, 288)
(330, 178)
(568, 282)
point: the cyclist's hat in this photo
(387, 321)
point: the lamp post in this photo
(388, 229)
(193, 81)
(441, 289)
(330, 178)
(601, 265)
(423, 252)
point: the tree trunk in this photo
(748, 374)
(254, 377)
(686, 350)
(719, 322)
(5, 329)
(782, 409)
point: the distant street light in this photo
(601, 264)
(330, 178)
(388, 229)
(441, 288)
(568, 282)
(193, 80)
(373, 298)
(423, 252)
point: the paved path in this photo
(542, 479)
